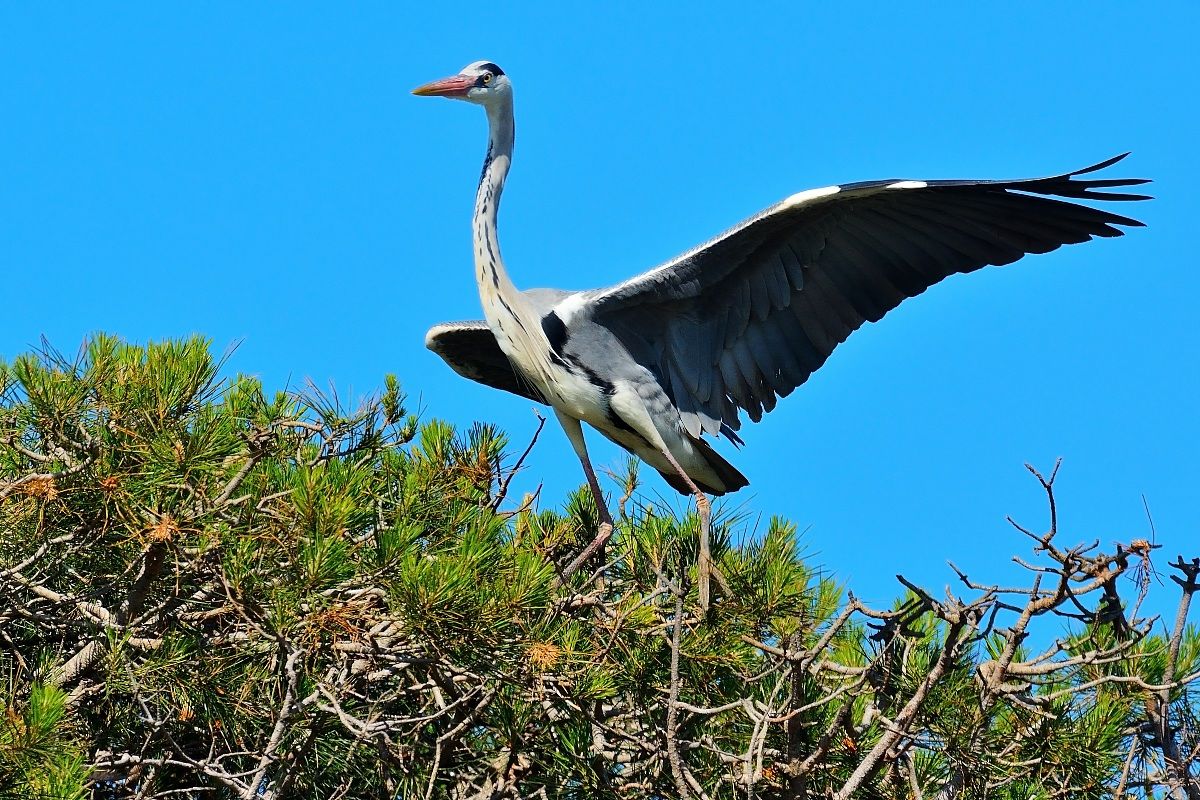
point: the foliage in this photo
(208, 592)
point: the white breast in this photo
(525, 344)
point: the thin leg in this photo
(704, 565)
(574, 432)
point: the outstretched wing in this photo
(471, 350)
(747, 317)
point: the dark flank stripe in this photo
(556, 332)
(616, 420)
(577, 366)
(603, 385)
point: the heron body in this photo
(578, 367)
(657, 362)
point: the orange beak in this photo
(456, 86)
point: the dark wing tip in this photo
(1069, 185)
(1101, 165)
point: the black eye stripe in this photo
(492, 68)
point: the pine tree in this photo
(208, 592)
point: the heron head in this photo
(481, 82)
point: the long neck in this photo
(493, 280)
(511, 318)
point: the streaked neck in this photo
(489, 266)
(512, 320)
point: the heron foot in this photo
(604, 533)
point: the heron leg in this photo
(704, 565)
(574, 431)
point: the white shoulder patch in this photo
(907, 185)
(809, 194)
(568, 308)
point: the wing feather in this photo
(471, 350)
(818, 329)
(793, 268)
(749, 316)
(780, 290)
(786, 343)
(842, 317)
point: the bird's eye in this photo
(486, 78)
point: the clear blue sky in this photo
(259, 174)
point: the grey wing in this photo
(471, 350)
(750, 315)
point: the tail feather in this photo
(731, 478)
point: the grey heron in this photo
(660, 360)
